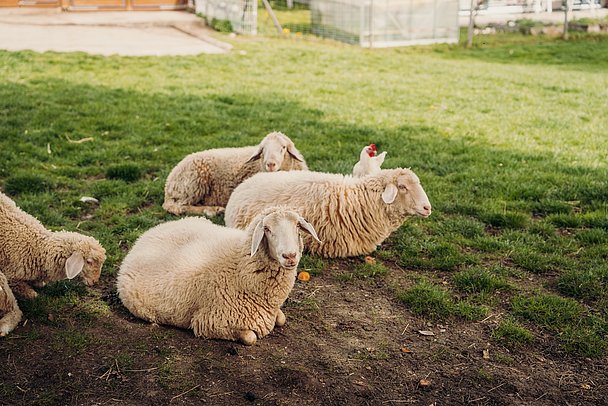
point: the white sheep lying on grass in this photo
(32, 255)
(221, 282)
(202, 182)
(369, 163)
(351, 215)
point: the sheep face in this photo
(93, 263)
(281, 231)
(85, 257)
(274, 151)
(405, 193)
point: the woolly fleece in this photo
(349, 214)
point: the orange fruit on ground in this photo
(304, 276)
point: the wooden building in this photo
(101, 5)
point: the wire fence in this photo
(386, 23)
(367, 23)
(242, 14)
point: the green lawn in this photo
(510, 140)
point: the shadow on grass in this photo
(44, 122)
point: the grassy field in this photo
(509, 140)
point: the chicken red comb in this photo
(373, 150)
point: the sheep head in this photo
(274, 151)
(85, 256)
(403, 192)
(280, 229)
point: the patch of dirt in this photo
(343, 344)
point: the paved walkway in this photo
(133, 33)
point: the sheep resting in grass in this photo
(220, 282)
(351, 215)
(369, 163)
(203, 181)
(32, 255)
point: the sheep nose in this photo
(291, 255)
(427, 207)
(271, 166)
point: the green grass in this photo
(511, 334)
(431, 301)
(364, 271)
(312, 264)
(126, 172)
(508, 139)
(479, 280)
(578, 331)
(71, 341)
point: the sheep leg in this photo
(8, 307)
(280, 321)
(23, 290)
(247, 337)
(181, 208)
(208, 211)
(173, 207)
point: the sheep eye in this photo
(266, 229)
(402, 187)
(89, 261)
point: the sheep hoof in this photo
(248, 337)
(280, 318)
(211, 211)
(24, 291)
(5, 329)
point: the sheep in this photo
(9, 310)
(202, 182)
(369, 162)
(351, 215)
(31, 254)
(222, 283)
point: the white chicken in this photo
(369, 163)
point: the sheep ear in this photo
(381, 157)
(256, 239)
(256, 156)
(291, 148)
(74, 265)
(389, 194)
(307, 227)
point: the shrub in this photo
(221, 25)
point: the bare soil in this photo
(345, 343)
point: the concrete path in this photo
(133, 33)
